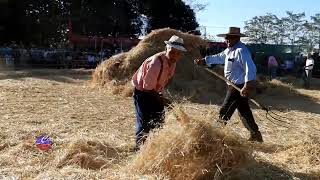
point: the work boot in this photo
(256, 136)
(222, 122)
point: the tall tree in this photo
(260, 28)
(34, 21)
(316, 28)
(169, 13)
(44, 22)
(278, 32)
(48, 20)
(12, 19)
(196, 5)
(307, 38)
(112, 17)
(294, 24)
(291, 29)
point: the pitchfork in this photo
(270, 115)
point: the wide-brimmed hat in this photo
(176, 42)
(233, 31)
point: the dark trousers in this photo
(149, 114)
(272, 72)
(233, 101)
(307, 78)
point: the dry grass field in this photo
(93, 133)
(89, 116)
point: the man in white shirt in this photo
(241, 71)
(308, 70)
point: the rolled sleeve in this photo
(151, 75)
(248, 65)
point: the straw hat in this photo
(233, 31)
(176, 42)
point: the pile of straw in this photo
(190, 81)
(71, 113)
(88, 155)
(304, 156)
(190, 149)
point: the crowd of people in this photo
(302, 66)
(17, 56)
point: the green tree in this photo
(45, 22)
(307, 38)
(169, 13)
(278, 34)
(271, 29)
(294, 25)
(34, 21)
(196, 5)
(260, 28)
(12, 21)
(316, 28)
(112, 17)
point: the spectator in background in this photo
(308, 70)
(68, 60)
(91, 59)
(7, 58)
(298, 58)
(298, 65)
(101, 54)
(272, 67)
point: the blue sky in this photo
(220, 14)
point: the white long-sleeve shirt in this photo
(309, 64)
(239, 67)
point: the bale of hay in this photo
(190, 149)
(118, 70)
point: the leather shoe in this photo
(256, 136)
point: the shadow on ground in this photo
(284, 98)
(280, 96)
(266, 171)
(59, 75)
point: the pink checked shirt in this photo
(146, 77)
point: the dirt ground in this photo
(63, 105)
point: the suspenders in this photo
(160, 73)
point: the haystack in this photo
(190, 149)
(189, 80)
